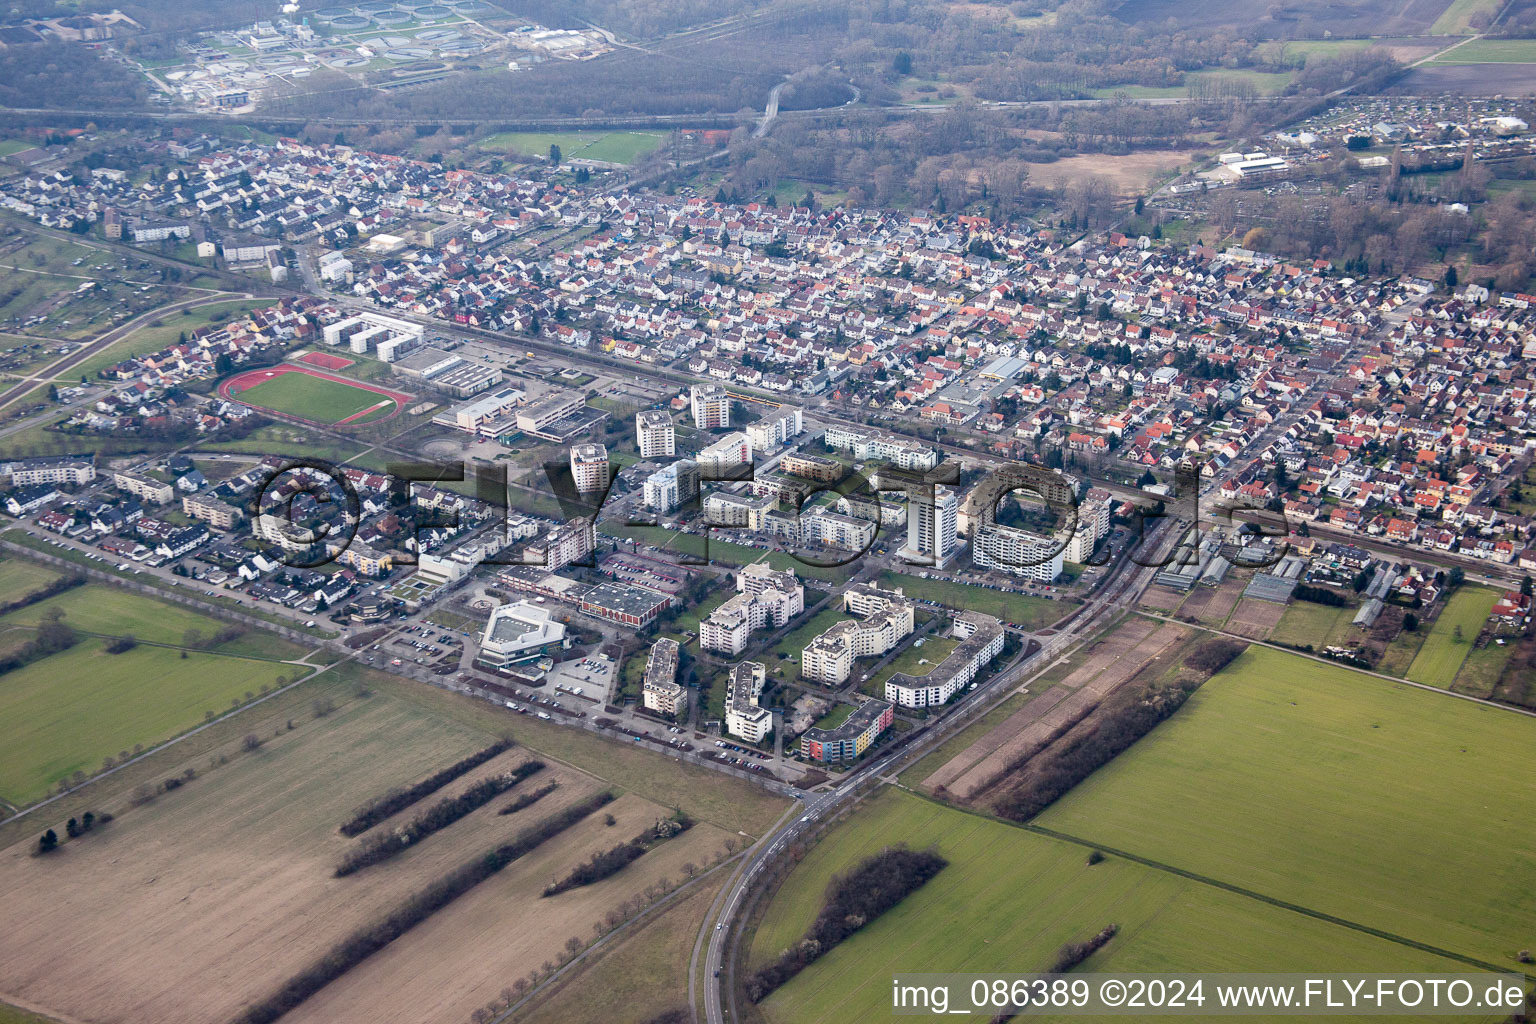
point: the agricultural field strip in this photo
(1334, 664)
(1217, 883)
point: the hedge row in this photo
(397, 800)
(366, 941)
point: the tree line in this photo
(529, 799)
(606, 863)
(1046, 775)
(853, 900)
(381, 847)
(414, 909)
(397, 800)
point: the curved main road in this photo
(718, 979)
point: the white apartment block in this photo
(932, 527)
(888, 617)
(589, 468)
(832, 530)
(776, 428)
(981, 640)
(48, 470)
(716, 461)
(763, 600)
(1092, 526)
(902, 452)
(1019, 552)
(711, 406)
(655, 434)
(722, 508)
(144, 488)
(744, 718)
(661, 692)
(672, 486)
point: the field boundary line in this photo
(1217, 883)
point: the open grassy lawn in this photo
(97, 608)
(789, 647)
(1009, 899)
(1481, 671)
(19, 578)
(66, 712)
(1300, 50)
(314, 398)
(1319, 625)
(1385, 805)
(1029, 612)
(622, 147)
(914, 661)
(1455, 19)
(1491, 51)
(1442, 654)
(1265, 82)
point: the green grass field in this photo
(1265, 82)
(1382, 804)
(19, 578)
(315, 398)
(10, 147)
(96, 608)
(1300, 50)
(1319, 625)
(1454, 20)
(915, 661)
(1029, 612)
(1491, 51)
(1442, 654)
(68, 711)
(1009, 899)
(611, 147)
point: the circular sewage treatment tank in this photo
(431, 11)
(350, 21)
(327, 13)
(375, 6)
(392, 17)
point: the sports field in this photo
(313, 396)
(1392, 807)
(624, 147)
(1442, 654)
(1009, 899)
(66, 712)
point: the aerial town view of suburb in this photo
(767, 511)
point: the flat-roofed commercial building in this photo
(555, 405)
(624, 604)
(519, 632)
